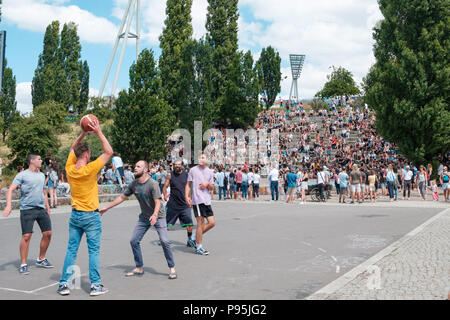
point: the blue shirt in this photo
(31, 189)
(343, 179)
(220, 178)
(292, 180)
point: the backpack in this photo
(445, 178)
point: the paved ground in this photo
(259, 250)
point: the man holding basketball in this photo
(85, 218)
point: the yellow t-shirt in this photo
(372, 180)
(83, 183)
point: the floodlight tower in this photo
(134, 6)
(296, 67)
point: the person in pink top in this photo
(239, 182)
(200, 184)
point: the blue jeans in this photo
(391, 186)
(83, 222)
(224, 190)
(274, 188)
(244, 189)
(139, 231)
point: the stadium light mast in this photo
(134, 6)
(297, 61)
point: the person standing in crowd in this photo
(152, 214)
(372, 178)
(434, 189)
(162, 177)
(444, 179)
(220, 179)
(226, 183)
(238, 179)
(291, 184)
(390, 179)
(51, 181)
(244, 185)
(33, 207)
(85, 217)
(177, 208)
(407, 180)
(355, 182)
(128, 175)
(117, 166)
(256, 180)
(232, 183)
(63, 182)
(343, 185)
(273, 179)
(200, 183)
(250, 176)
(304, 185)
(48, 163)
(422, 181)
(322, 182)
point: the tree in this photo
(8, 105)
(177, 31)
(270, 73)
(340, 83)
(32, 135)
(197, 103)
(53, 114)
(60, 75)
(408, 85)
(142, 120)
(222, 35)
(241, 93)
(100, 108)
(84, 86)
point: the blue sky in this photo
(329, 33)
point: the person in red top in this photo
(238, 182)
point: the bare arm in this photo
(154, 216)
(187, 193)
(107, 149)
(166, 184)
(8, 207)
(78, 140)
(116, 202)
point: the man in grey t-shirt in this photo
(33, 207)
(148, 194)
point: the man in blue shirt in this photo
(292, 185)
(220, 179)
(343, 184)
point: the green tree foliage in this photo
(241, 93)
(176, 33)
(100, 108)
(60, 75)
(318, 104)
(222, 35)
(270, 73)
(53, 114)
(32, 135)
(340, 83)
(197, 103)
(142, 120)
(84, 86)
(8, 105)
(408, 87)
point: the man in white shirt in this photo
(250, 176)
(273, 179)
(256, 179)
(407, 179)
(322, 181)
(118, 168)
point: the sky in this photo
(328, 32)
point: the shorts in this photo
(304, 185)
(184, 215)
(233, 187)
(202, 210)
(238, 187)
(28, 217)
(51, 184)
(343, 190)
(356, 187)
(372, 188)
(445, 186)
(291, 191)
(383, 185)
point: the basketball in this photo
(86, 120)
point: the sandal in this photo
(172, 276)
(134, 273)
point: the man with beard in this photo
(148, 194)
(177, 207)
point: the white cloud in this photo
(23, 97)
(36, 15)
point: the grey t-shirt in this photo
(31, 189)
(146, 193)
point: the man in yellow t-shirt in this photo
(85, 218)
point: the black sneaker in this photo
(63, 290)
(191, 243)
(24, 270)
(98, 290)
(43, 264)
